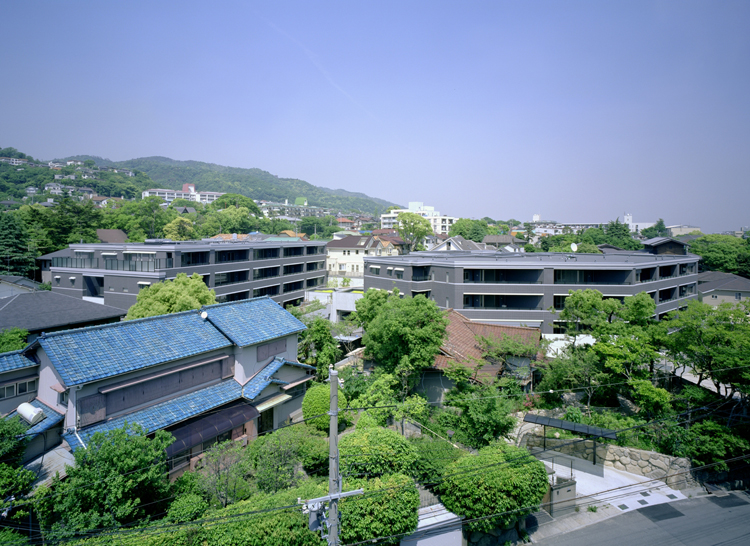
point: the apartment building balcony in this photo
(498, 276)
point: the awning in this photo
(275, 401)
(138, 252)
(292, 385)
(109, 253)
(210, 427)
(571, 426)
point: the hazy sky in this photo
(578, 111)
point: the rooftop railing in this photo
(146, 266)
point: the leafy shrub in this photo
(574, 415)
(500, 479)
(187, 508)
(433, 457)
(709, 442)
(11, 538)
(355, 383)
(317, 402)
(376, 451)
(367, 420)
(309, 445)
(485, 415)
(391, 512)
(381, 391)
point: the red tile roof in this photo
(461, 345)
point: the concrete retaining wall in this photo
(674, 471)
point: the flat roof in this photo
(192, 245)
(489, 258)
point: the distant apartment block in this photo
(440, 224)
(113, 274)
(552, 227)
(188, 192)
(529, 289)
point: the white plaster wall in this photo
(48, 376)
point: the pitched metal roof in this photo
(571, 426)
(656, 241)
(716, 280)
(97, 352)
(14, 360)
(20, 281)
(42, 310)
(252, 321)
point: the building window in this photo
(375, 270)
(293, 269)
(265, 421)
(226, 256)
(399, 274)
(266, 291)
(293, 251)
(265, 253)
(293, 286)
(314, 250)
(194, 258)
(738, 296)
(62, 398)
(342, 267)
(311, 283)
(232, 277)
(560, 302)
(265, 273)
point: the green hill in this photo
(255, 183)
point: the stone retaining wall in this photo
(674, 471)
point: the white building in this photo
(188, 192)
(440, 224)
(637, 227)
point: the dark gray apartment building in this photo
(113, 274)
(530, 288)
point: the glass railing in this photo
(538, 281)
(76, 263)
(126, 265)
(420, 278)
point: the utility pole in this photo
(334, 478)
(315, 507)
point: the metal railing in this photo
(76, 263)
(538, 281)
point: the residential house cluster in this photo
(188, 193)
(226, 371)
(346, 255)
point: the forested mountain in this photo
(255, 183)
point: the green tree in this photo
(484, 412)
(181, 294)
(587, 310)
(413, 228)
(405, 336)
(308, 444)
(118, 479)
(722, 253)
(238, 201)
(140, 219)
(657, 230)
(317, 345)
(389, 506)
(474, 230)
(714, 342)
(74, 222)
(179, 229)
(369, 306)
(13, 339)
(500, 479)
(16, 256)
(376, 451)
(224, 473)
(14, 479)
(709, 442)
(316, 403)
(655, 401)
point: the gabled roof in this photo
(252, 321)
(354, 242)
(656, 241)
(501, 240)
(459, 243)
(98, 352)
(20, 281)
(461, 346)
(716, 280)
(62, 253)
(44, 310)
(14, 360)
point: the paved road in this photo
(704, 521)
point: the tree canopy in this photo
(413, 228)
(725, 253)
(181, 294)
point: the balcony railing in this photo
(420, 278)
(127, 265)
(76, 263)
(538, 281)
(592, 282)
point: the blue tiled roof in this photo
(51, 418)
(167, 413)
(262, 379)
(98, 352)
(14, 360)
(253, 321)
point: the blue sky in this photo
(578, 111)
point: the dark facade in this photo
(530, 289)
(113, 274)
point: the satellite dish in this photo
(573, 247)
(204, 315)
